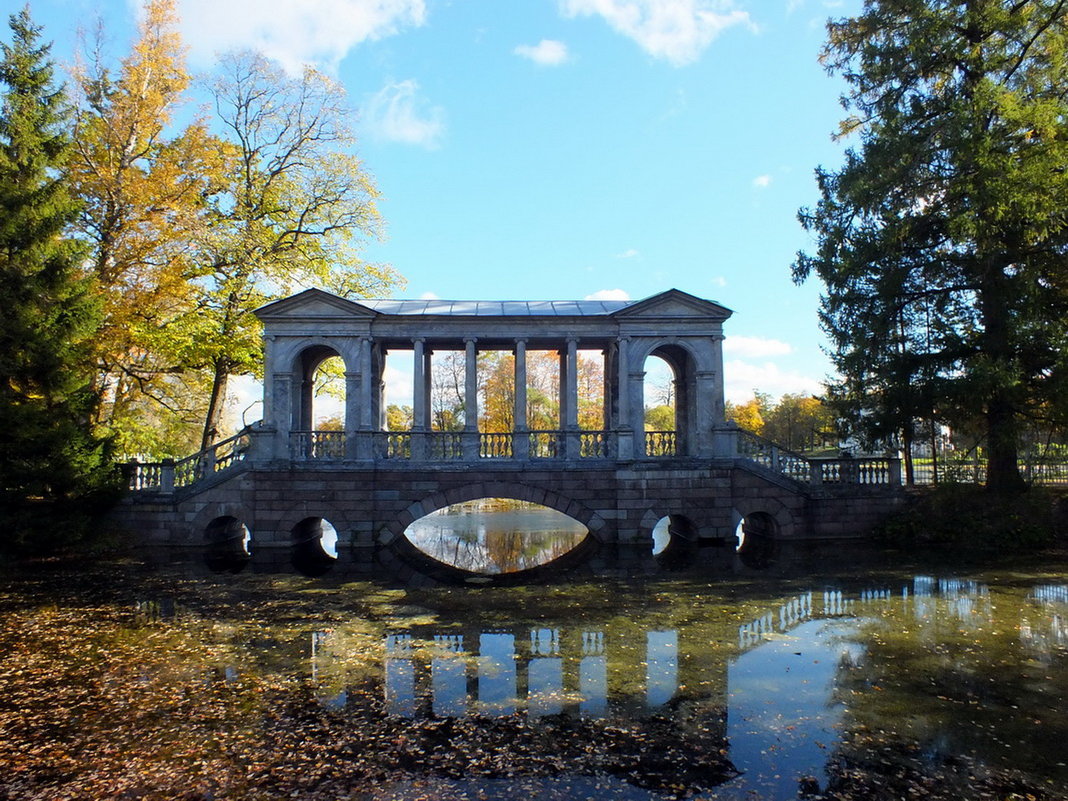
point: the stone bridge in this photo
(276, 482)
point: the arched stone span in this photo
(210, 512)
(336, 513)
(775, 510)
(513, 490)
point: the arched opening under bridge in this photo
(495, 536)
(227, 545)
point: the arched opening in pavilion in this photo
(667, 390)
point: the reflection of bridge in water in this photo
(587, 671)
(279, 481)
(773, 681)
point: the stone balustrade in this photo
(417, 448)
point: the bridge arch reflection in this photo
(495, 536)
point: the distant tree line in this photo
(797, 422)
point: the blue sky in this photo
(540, 149)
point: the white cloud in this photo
(674, 30)
(397, 113)
(755, 347)
(429, 296)
(398, 380)
(630, 253)
(547, 52)
(719, 281)
(319, 32)
(762, 181)
(608, 294)
(741, 378)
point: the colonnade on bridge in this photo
(302, 331)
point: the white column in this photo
(520, 438)
(717, 389)
(470, 384)
(366, 386)
(520, 413)
(623, 381)
(571, 390)
(470, 435)
(419, 385)
(606, 389)
(362, 421)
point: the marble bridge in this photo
(278, 480)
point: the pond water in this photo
(874, 681)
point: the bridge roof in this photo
(497, 308)
(315, 302)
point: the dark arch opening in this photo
(227, 544)
(314, 546)
(757, 540)
(674, 540)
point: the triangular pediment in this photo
(314, 304)
(674, 303)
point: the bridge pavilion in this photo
(304, 330)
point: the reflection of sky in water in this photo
(496, 674)
(662, 666)
(781, 713)
(493, 540)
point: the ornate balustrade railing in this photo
(495, 445)
(661, 443)
(596, 445)
(864, 470)
(169, 475)
(318, 445)
(393, 444)
(416, 447)
(546, 444)
(444, 446)
(775, 458)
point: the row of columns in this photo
(699, 391)
(568, 385)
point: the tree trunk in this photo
(906, 442)
(216, 403)
(1002, 421)
(1002, 458)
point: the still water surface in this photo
(699, 683)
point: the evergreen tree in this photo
(50, 464)
(942, 240)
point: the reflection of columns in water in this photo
(593, 675)
(794, 611)
(496, 674)
(448, 676)
(749, 634)
(545, 674)
(835, 604)
(400, 676)
(662, 666)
